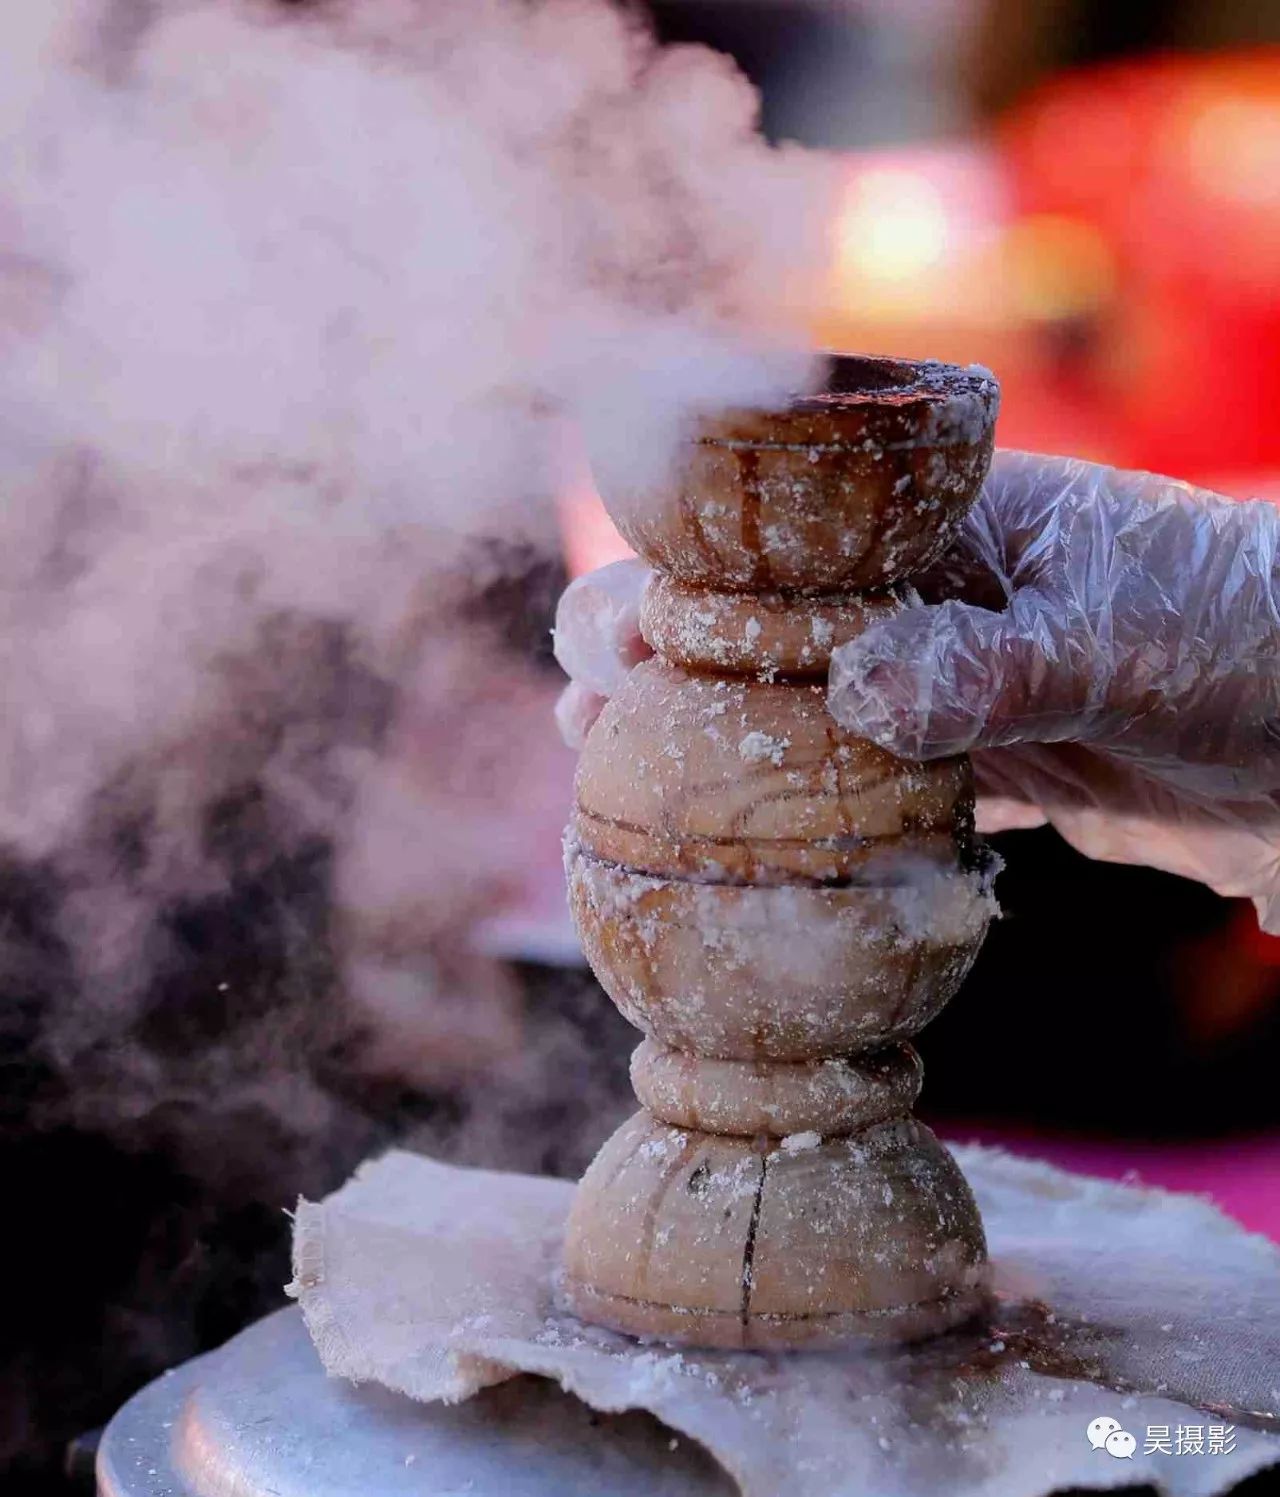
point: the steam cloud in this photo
(296, 305)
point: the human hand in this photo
(1107, 646)
(597, 641)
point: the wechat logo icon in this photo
(1106, 1434)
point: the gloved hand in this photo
(597, 641)
(1106, 644)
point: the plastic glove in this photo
(1108, 647)
(597, 641)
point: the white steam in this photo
(291, 302)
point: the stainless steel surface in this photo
(260, 1417)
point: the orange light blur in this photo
(590, 537)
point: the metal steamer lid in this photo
(260, 1416)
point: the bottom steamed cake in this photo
(719, 1241)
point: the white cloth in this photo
(1148, 1308)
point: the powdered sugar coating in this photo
(760, 634)
(776, 1099)
(721, 1242)
(779, 973)
(745, 781)
(852, 489)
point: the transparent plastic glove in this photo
(597, 641)
(1107, 645)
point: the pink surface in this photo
(1239, 1175)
